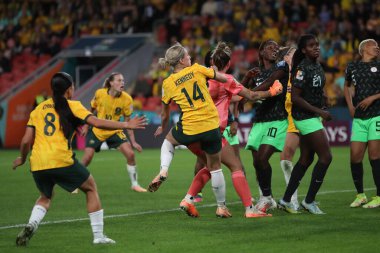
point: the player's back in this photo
(189, 90)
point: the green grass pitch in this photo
(152, 222)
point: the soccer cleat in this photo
(287, 206)
(312, 207)
(198, 198)
(252, 212)
(24, 236)
(156, 183)
(295, 203)
(138, 188)
(223, 212)
(360, 199)
(265, 204)
(189, 208)
(103, 240)
(375, 202)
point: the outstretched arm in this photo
(277, 75)
(135, 123)
(274, 90)
(132, 137)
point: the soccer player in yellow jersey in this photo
(49, 133)
(112, 102)
(199, 120)
(292, 135)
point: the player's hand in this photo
(158, 131)
(233, 129)
(352, 110)
(325, 115)
(365, 103)
(83, 130)
(17, 162)
(137, 123)
(137, 146)
(275, 89)
(252, 72)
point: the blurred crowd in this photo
(45, 27)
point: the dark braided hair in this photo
(60, 82)
(298, 54)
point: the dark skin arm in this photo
(348, 96)
(247, 80)
(300, 102)
(277, 75)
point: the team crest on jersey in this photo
(117, 111)
(373, 69)
(299, 75)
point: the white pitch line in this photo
(155, 211)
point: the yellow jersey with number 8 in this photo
(51, 149)
(188, 88)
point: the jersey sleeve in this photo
(233, 86)
(208, 72)
(299, 79)
(348, 74)
(166, 92)
(79, 110)
(31, 121)
(128, 108)
(94, 100)
(282, 65)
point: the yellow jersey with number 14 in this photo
(51, 149)
(188, 89)
(111, 108)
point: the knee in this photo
(306, 161)
(87, 158)
(89, 185)
(326, 158)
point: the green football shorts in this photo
(364, 130)
(308, 126)
(232, 140)
(271, 133)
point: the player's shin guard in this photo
(317, 177)
(376, 174)
(241, 186)
(199, 181)
(218, 186)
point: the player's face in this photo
(270, 51)
(70, 92)
(312, 49)
(372, 48)
(186, 60)
(118, 83)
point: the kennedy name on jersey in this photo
(184, 78)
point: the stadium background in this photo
(90, 39)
